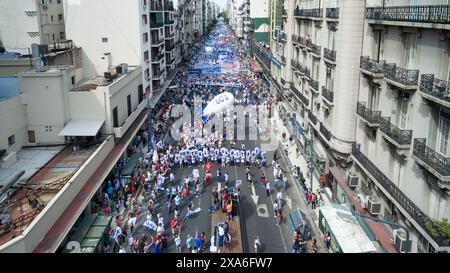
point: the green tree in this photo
(439, 228)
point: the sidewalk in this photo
(293, 159)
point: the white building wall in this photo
(15, 25)
(88, 21)
(13, 122)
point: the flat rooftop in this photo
(29, 160)
(42, 186)
(93, 83)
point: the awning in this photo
(81, 127)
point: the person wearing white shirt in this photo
(279, 198)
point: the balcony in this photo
(398, 137)
(329, 55)
(332, 13)
(312, 118)
(120, 131)
(284, 12)
(157, 43)
(168, 6)
(169, 47)
(168, 22)
(157, 74)
(170, 35)
(295, 39)
(432, 14)
(309, 13)
(299, 95)
(407, 79)
(315, 49)
(431, 160)
(156, 6)
(328, 95)
(371, 118)
(155, 24)
(400, 200)
(157, 58)
(314, 86)
(372, 67)
(325, 132)
(435, 90)
(294, 64)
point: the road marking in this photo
(254, 196)
(279, 226)
(262, 211)
(288, 201)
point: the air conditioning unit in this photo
(400, 241)
(373, 205)
(362, 199)
(352, 179)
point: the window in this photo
(144, 19)
(403, 106)
(104, 40)
(31, 137)
(329, 80)
(410, 50)
(11, 140)
(129, 104)
(315, 69)
(146, 56)
(145, 37)
(72, 82)
(115, 117)
(60, 17)
(443, 133)
(58, 1)
(51, 18)
(62, 35)
(331, 39)
(140, 93)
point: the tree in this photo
(439, 228)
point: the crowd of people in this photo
(162, 190)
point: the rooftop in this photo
(52, 170)
(110, 77)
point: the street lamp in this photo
(355, 213)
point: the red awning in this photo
(377, 228)
(255, 66)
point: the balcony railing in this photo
(157, 42)
(399, 136)
(312, 118)
(154, 24)
(329, 54)
(282, 37)
(302, 98)
(313, 13)
(372, 117)
(435, 160)
(437, 14)
(373, 66)
(295, 39)
(315, 49)
(294, 64)
(332, 13)
(314, 84)
(325, 132)
(283, 81)
(327, 94)
(407, 77)
(158, 73)
(262, 56)
(302, 41)
(156, 6)
(157, 58)
(434, 87)
(168, 6)
(307, 72)
(402, 199)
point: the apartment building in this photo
(59, 139)
(31, 22)
(402, 153)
